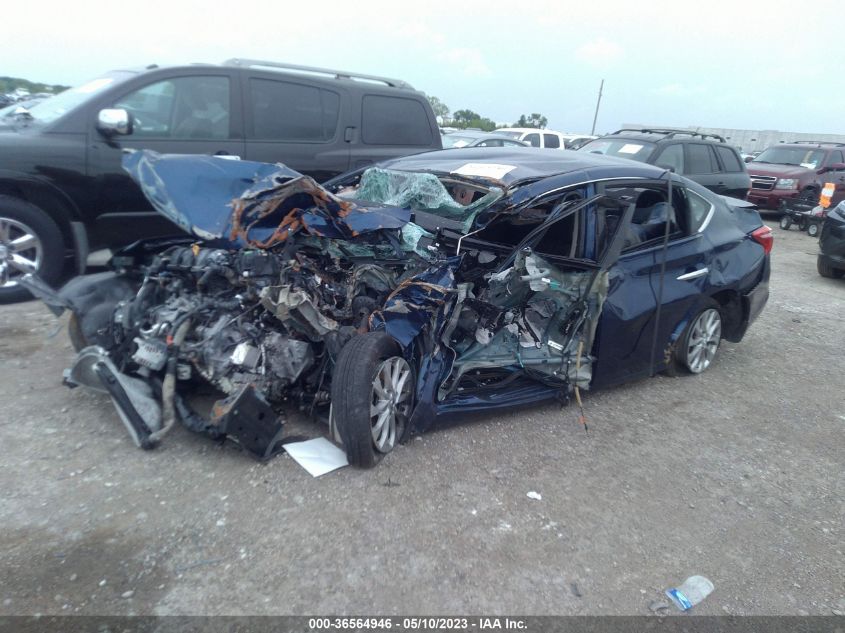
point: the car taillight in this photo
(763, 236)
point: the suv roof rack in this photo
(670, 133)
(834, 143)
(337, 74)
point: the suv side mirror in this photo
(748, 159)
(832, 167)
(114, 121)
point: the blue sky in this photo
(742, 64)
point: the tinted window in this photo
(672, 157)
(729, 159)
(835, 157)
(699, 209)
(186, 107)
(394, 121)
(292, 112)
(700, 159)
(532, 138)
(551, 140)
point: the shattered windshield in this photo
(448, 197)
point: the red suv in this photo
(793, 170)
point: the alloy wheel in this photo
(705, 335)
(21, 251)
(390, 402)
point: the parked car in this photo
(535, 137)
(831, 258)
(575, 141)
(441, 283)
(466, 138)
(705, 158)
(796, 170)
(62, 189)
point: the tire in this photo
(809, 194)
(372, 397)
(813, 229)
(826, 270)
(700, 341)
(785, 222)
(23, 224)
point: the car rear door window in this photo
(394, 121)
(672, 157)
(533, 139)
(180, 108)
(730, 161)
(700, 159)
(286, 111)
(551, 140)
(835, 157)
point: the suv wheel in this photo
(30, 242)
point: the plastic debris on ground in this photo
(693, 590)
(318, 456)
(534, 495)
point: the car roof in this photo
(809, 144)
(525, 163)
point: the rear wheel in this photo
(785, 222)
(826, 270)
(700, 341)
(372, 396)
(813, 229)
(30, 242)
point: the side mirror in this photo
(114, 121)
(748, 159)
(833, 167)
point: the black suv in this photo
(705, 158)
(63, 191)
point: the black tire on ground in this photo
(826, 270)
(813, 229)
(47, 231)
(785, 222)
(809, 194)
(353, 395)
(682, 359)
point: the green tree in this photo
(535, 120)
(440, 108)
(462, 117)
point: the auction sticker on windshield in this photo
(630, 148)
(484, 170)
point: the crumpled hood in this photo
(247, 203)
(780, 171)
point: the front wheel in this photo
(372, 396)
(30, 242)
(785, 222)
(701, 339)
(826, 270)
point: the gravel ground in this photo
(736, 474)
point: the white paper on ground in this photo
(318, 456)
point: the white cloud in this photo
(600, 51)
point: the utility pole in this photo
(598, 103)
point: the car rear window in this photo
(621, 147)
(287, 111)
(730, 161)
(394, 121)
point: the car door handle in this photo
(694, 274)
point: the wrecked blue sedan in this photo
(440, 283)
